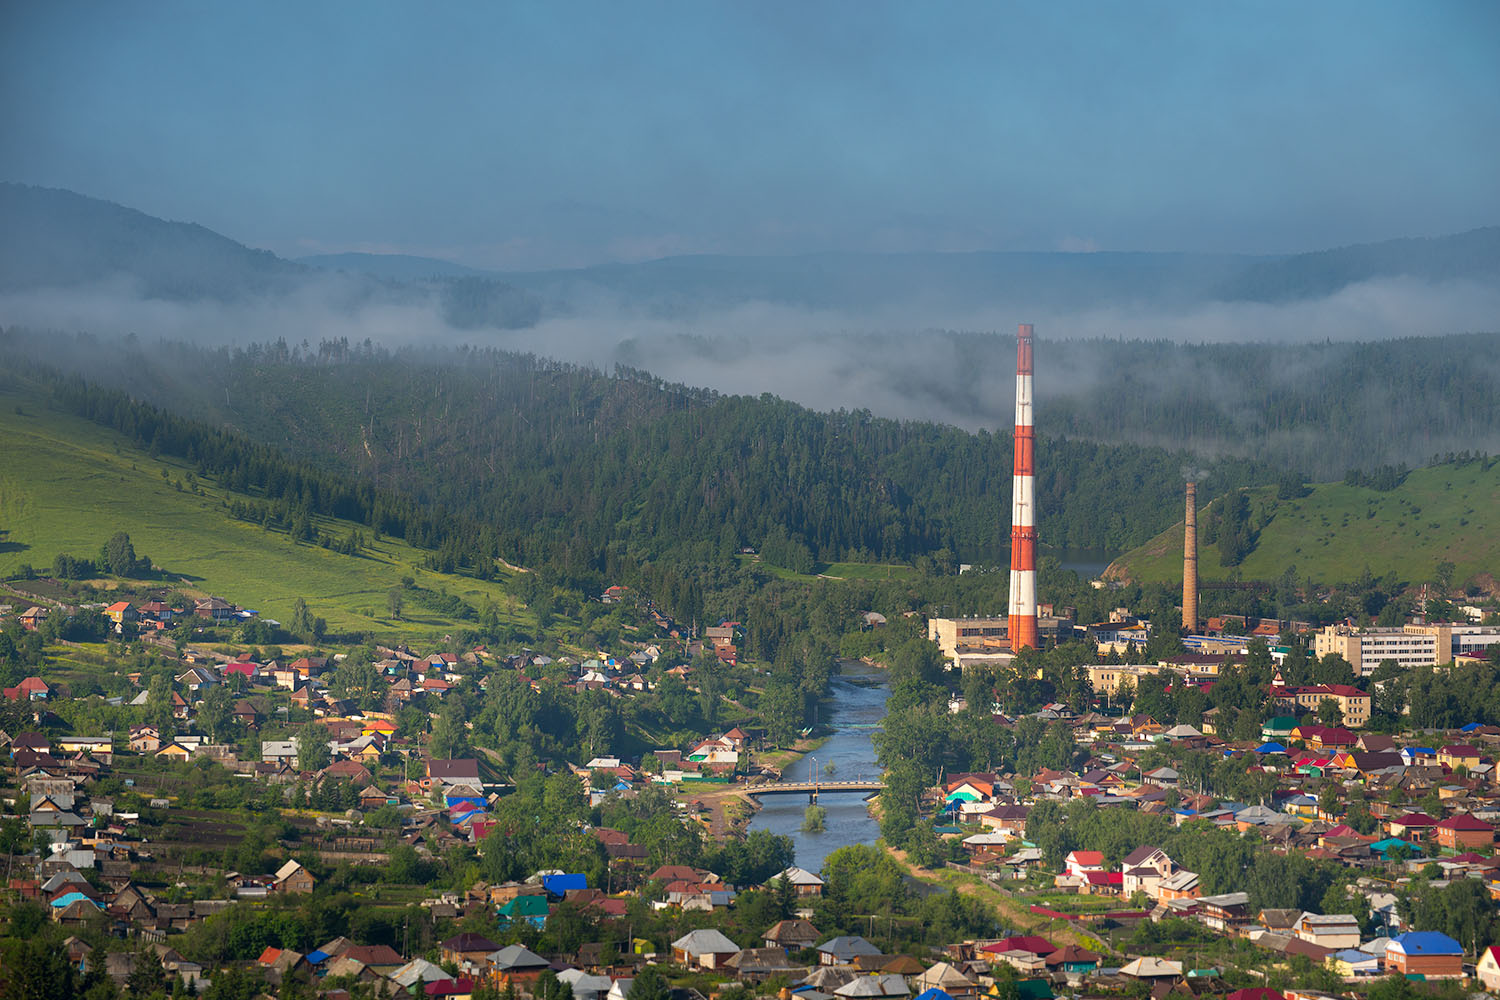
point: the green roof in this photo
(525, 906)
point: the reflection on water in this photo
(858, 700)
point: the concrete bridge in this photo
(812, 789)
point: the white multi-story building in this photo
(1409, 646)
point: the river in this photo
(856, 707)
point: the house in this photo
(1458, 755)
(1425, 953)
(516, 964)
(214, 609)
(704, 949)
(292, 877)
(248, 713)
(947, 979)
(532, 909)
(1351, 963)
(1143, 869)
(1412, 826)
(844, 950)
(1336, 931)
(467, 949)
(1225, 913)
(876, 987)
(122, 613)
(279, 751)
(31, 689)
(1181, 884)
(791, 935)
(1073, 959)
(196, 679)
(442, 773)
(1462, 832)
(1080, 863)
(1488, 968)
(804, 883)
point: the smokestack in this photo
(1190, 563)
(1023, 508)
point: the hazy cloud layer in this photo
(900, 361)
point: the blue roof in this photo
(1270, 748)
(317, 957)
(932, 994)
(559, 884)
(1469, 728)
(1427, 943)
(1353, 955)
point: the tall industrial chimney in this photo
(1190, 563)
(1023, 508)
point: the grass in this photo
(833, 571)
(67, 485)
(1446, 513)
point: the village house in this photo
(704, 949)
(1462, 832)
(292, 877)
(1424, 953)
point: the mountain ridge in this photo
(52, 237)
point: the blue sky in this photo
(557, 134)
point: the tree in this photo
(302, 620)
(1329, 713)
(650, 984)
(146, 974)
(312, 748)
(395, 600)
(781, 711)
(118, 555)
(36, 969)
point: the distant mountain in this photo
(861, 280)
(393, 266)
(1473, 256)
(55, 238)
(51, 238)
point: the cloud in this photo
(912, 360)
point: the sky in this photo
(537, 135)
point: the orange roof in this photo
(269, 956)
(118, 606)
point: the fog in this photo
(911, 362)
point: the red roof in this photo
(1087, 857)
(1463, 821)
(1027, 942)
(1415, 820)
(269, 956)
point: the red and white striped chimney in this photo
(1023, 631)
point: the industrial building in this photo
(1409, 646)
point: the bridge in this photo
(812, 789)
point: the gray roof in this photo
(514, 956)
(705, 941)
(848, 947)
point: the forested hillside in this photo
(1317, 409)
(569, 466)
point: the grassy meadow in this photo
(67, 485)
(1444, 513)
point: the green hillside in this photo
(67, 485)
(1445, 513)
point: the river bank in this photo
(855, 712)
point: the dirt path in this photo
(1011, 911)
